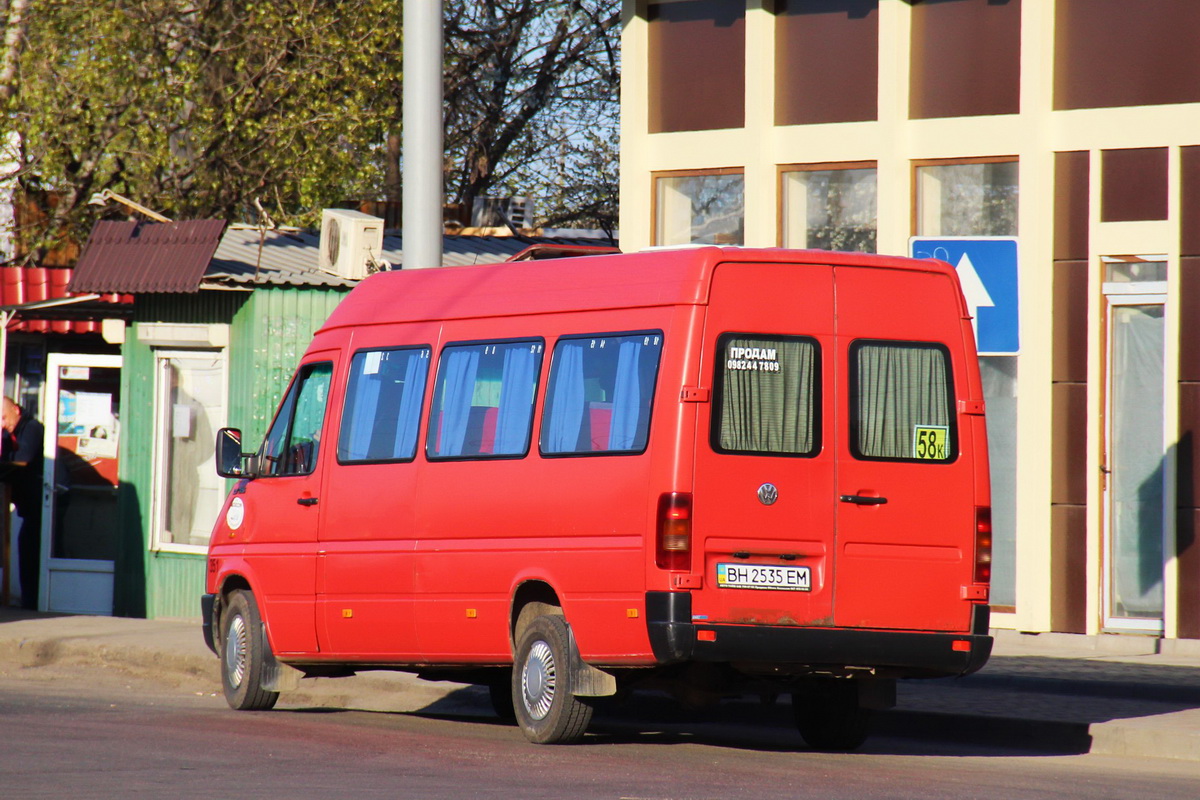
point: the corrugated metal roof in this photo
(22, 286)
(150, 257)
(141, 257)
(277, 257)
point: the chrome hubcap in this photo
(538, 679)
(235, 651)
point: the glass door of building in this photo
(79, 516)
(1134, 469)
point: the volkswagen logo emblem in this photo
(767, 494)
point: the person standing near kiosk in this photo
(22, 450)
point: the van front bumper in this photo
(675, 638)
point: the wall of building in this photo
(268, 330)
(1102, 120)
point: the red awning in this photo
(22, 286)
(143, 257)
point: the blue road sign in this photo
(987, 270)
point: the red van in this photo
(723, 470)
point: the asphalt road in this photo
(91, 732)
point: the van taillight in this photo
(983, 544)
(674, 540)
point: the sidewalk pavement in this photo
(1058, 693)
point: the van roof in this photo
(629, 280)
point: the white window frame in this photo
(162, 422)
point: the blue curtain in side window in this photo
(362, 414)
(457, 391)
(409, 415)
(516, 399)
(627, 396)
(566, 412)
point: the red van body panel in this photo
(425, 561)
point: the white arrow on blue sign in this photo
(987, 270)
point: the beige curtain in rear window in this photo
(767, 389)
(903, 393)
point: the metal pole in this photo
(422, 227)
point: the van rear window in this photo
(383, 405)
(600, 394)
(483, 401)
(901, 402)
(767, 399)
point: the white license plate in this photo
(764, 576)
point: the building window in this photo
(830, 207)
(809, 38)
(190, 396)
(980, 198)
(600, 394)
(697, 65)
(383, 405)
(704, 207)
(483, 403)
(967, 198)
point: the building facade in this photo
(1069, 129)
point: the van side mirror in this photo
(231, 461)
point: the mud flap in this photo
(278, 677)
(588, 680)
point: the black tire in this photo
(828, 715)
(244, 653)
(501, 695)
(547, 710)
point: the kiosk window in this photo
(483, 400)
(383, 405)
(767, 396)
(600, 394)
(901, 402)
(294, 440)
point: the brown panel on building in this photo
(965, 58)
(1070, 323)
(1189, 319)
(1189, 206)
(1133, 184)
(1068, 569)
(1122, 53)
(1188, 553)
(826, 61)
(1068, 443)
(1071, 205)
(1188, 447)
(697, 65)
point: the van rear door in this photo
(905, 465)
(764, 495)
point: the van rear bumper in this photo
(674, 637)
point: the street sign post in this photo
(987, 270)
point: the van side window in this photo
(483, 399)
(600, 393)
(767, 395)
(901, 402)
(383, 405)
(294, 440)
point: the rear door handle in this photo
(863, 500)
(307, 501)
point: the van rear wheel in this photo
(829, 717)
(547, 710)
(244, 653)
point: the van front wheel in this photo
(547, 709)
(244, 652)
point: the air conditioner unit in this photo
(489, 212)
(351, 243)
